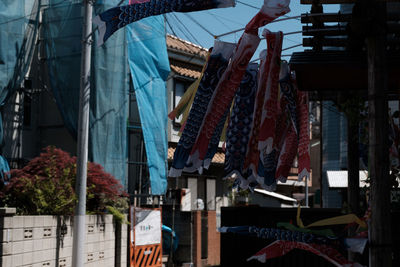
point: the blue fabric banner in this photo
(148, 61)
(16, 47)
(4, 169)
(109, 98)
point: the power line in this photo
(284, 49)
(258, 8)
(290, 47)
(169, 25)
(241, 29)
(184, 26)
(287, 33)
(177, 24)
(230, 20)
(198, 24)
(245, 4)
(219, 20)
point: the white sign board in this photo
(147, 227)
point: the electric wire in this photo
(290, 47)
(241, 29)
(258, 8)
(178, 27)
(169, 25)
(184, 26)
(284, 49)
(245, 4)
(199, 24)
(230, 20)
(186, 32)
(219, 20)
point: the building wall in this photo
(189, 228)
(45, 127)
(197, 239)
(331, 147)
(315, 158)
(214, 240)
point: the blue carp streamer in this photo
(116, 18)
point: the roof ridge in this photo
(187, 42)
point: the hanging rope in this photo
(287, 48)
(242, 29)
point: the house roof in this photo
(176, 43)
(338, 179)
(219, 157)
(183, 69)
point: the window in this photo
(180, 87)
(27, 110)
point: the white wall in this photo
(47, 241)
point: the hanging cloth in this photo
(4, 171)
(304, 135)
(288, 92)
(270, 10)
(223, 95)
(115, 18)
(109, 93)
(269, 161)
(239, 128)
(287, 137)
(214, 141)
(19, 24)
(280, 248)
(287, 155)
(271, 82)
(264, 94)
(150, 69)
(185, 103)
(216, 66)
(251, 160)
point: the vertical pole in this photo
(140, 170)
(353, 172)
(83, 134)
(353, 190)
(321, 110)
(306, 195)
(380, 236)
(171, 252)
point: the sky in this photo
(223, 20)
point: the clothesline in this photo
(277, 20)
(210, 33)
(242, 29)
(287, 48)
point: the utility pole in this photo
(353, 170)
(83, 136)
(380, 237)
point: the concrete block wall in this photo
(47, 241)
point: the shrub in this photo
(46, 186)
